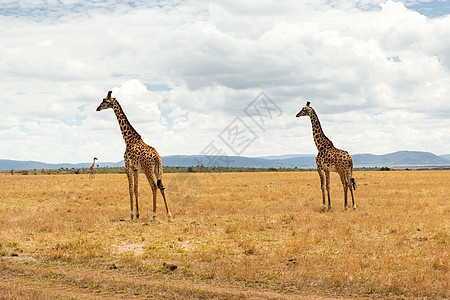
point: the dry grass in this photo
(234, 235)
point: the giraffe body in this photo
(330, 159)
(92, 169)
(138, 156)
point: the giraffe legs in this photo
(344, 167)
(153, 186)
(351, 186)
(322, 185)
(133, 186)
(165, 202)
(130, 186)
(136, 191)
(327, 177)
(348, 183)
(345, 183)
(353, 199)
(151, 181)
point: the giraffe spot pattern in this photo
(329, 158)
(138, 156)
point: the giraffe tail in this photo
(353, 182)
(158, 173)
(160, 184)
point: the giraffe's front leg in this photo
(130, 189)
(327, 177)
(322, 185)
(136, 191)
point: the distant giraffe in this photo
(92, 169)
(138, 155)
(329, 159)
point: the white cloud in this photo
(378, 76)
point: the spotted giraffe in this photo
(138, 156)
(329, 158)
(92, 169)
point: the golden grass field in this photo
(233, 236)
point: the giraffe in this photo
(138, 156)
(329, 158)
(92, 169)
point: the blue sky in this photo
(432, 9)
(56, 9)
(377, 73)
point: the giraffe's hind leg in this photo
(158, 173)
(151, 181)
(351, 187)
(153, 186)
(351, 184)
(344, 181)
(162, 188)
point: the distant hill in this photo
(446, 156)
(401, 158)
(6, 164)
(218, 161)
(396, 159)
(287, 156)
(301, 161)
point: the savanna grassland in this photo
(233, 236)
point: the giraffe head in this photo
(305, 110)
(95, 158)
(107, 102)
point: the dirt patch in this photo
(130, 248)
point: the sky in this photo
(223, 77)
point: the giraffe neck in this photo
(322, 142)
(93, 164)
(129, 134)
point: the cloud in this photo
(377, 73)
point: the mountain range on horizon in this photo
(396, 159)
